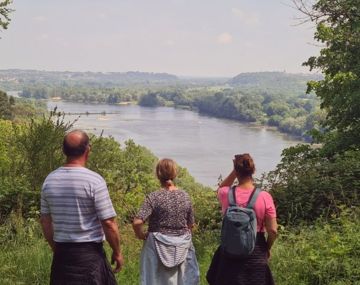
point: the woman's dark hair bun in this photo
(244, 165)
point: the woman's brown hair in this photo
(166, 171)
(244, 165)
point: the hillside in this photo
(106, 79)
(273, 81)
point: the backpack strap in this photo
(231, 196)
(253, 198)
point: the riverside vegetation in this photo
(316, 189)
(275, 99)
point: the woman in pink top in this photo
(253, 269)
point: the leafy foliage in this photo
(4, 13)
(151, 100)
(19, 109)
(307, 185)
(310, 182)
(31, 151)
(326, 253)
(5, 107)
(338, 27)
(40, 145)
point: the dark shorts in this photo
(81, 264)
(253, 270)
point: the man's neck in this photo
(75, 163)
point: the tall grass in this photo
(326, 253)
(25, 257)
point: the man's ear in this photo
(87, 152)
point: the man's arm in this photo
(47, 228)
(112, 235)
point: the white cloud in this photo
(246, 17)
(225, 38)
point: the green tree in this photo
(338, 28)
(307, 185)
(12, 100)
(311, 182)
(5, 106)
(151, 99)
(4, 13)
(40, 144)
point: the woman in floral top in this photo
(168, 256)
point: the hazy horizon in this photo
(202, 39)
(180, 76)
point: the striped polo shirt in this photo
(77, 200)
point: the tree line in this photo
(293, 114)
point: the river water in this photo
(202, 144)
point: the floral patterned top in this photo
(168, 212)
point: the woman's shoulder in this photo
(155, 194)
(265, 195)
(163, 192)
(223, 190)
(183, 193)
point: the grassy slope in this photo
(325, 253)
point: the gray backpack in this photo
(239, 227)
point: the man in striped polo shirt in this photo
(76, 216)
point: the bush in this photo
(306, 185)
(31, 151)
(326, 253)
(151, 100)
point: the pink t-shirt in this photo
(264, 205)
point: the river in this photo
(202, 144)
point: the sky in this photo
(203, 38)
